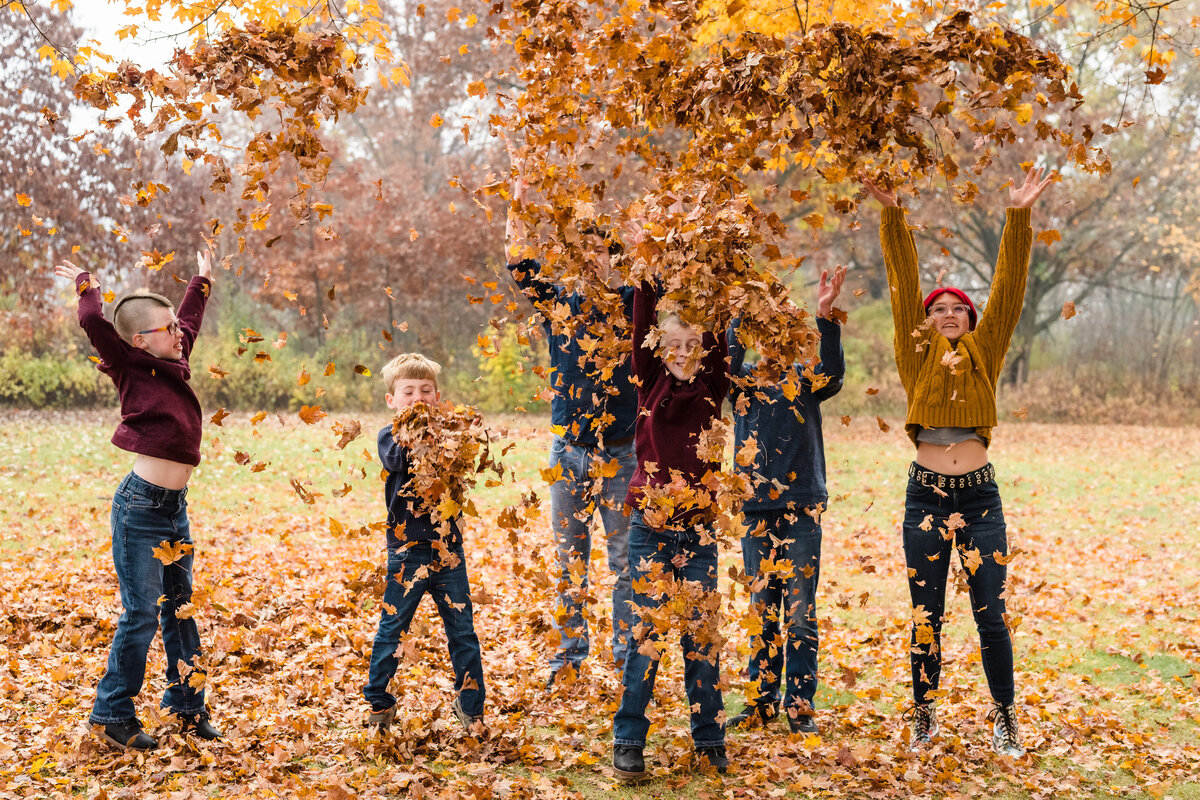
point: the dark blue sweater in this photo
(791, 453)
(406, 522)
(582, 401)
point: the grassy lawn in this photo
(1102, 597)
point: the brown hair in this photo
(410, 366)
(132, 312)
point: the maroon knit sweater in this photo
(160, 415)
(672, 413)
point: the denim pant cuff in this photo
(94, 720)
(629, 742)
(709, 743)
(185, 712)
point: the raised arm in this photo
(645, 317)
(833, 360)
(737, 351)
(191, 308)
(900, 256)
(714, 367)
(1003, 310)
(100, 332)
(392, 456)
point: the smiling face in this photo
(408, 391)
(681, 345)
(951, 316)
(162, 336)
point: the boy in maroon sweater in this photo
(145, 352)
(670, 535)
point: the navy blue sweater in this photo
(582, 401)
(791, 453)
(406, 522)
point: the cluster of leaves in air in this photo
(633, 85)
(304, 77)
(448, 449)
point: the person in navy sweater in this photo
(422, 558)
(593, 412)
(145, 350)
(784, 515)
(672, 551)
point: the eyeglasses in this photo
(941, 311)
(171, 327)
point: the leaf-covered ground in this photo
(1105, 591)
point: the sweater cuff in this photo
(1019, 216)
(83, 282)
(825, 326)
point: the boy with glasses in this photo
(144, 350)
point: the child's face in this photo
(162, 337)
(407, 391)
(951, 317)
(681, 344)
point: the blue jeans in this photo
(145, 516)
(692, 566)
(411, 574)
(574, 499)
(927, 553)
(788, 597)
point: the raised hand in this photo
(204, 264)
(68, 270)
(886, 197)
(828, 290)
(1028, 193)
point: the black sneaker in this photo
(924, 725)
(628, 762)
(474, 725)
(199, 725)
(713, 757)
(803, 723)
(381, 719)
(752, 716)
(129, 736)
(567, 669)
(1005, 739)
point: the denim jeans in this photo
(573, 500)
(411, 574)
(145, 516)
(683, 558)
(927, 553)
(786, 598)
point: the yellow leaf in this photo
(552, 475)
(436, 120)
(23, 199)
(1024, 113)
(169, 553)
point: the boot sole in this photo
(630, 777)
(124, 746)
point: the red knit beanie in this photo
(972, 314)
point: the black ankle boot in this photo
(129, 736)
(628, 762)
(715, 756)
(198, 725)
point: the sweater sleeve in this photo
(646, 364)
(392, 456)
(111, 348)
(900, 256)
(737, 353)
(833, 359)
(1000, 317)
(191, 310)
(527, 274)
(715, 365)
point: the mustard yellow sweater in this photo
(953, 386)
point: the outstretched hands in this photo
(886, 197)
(204, 264)
(1027, 193)
(828, 291)
(68, 270)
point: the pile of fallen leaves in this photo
(1101, 593)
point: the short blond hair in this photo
(410, 366)
(132, 312)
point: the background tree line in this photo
(409, 262)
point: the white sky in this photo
(100, 19)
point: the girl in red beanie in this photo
(949, 358)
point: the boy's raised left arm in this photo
(833, 359)
(191, 309)
(100, 332)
